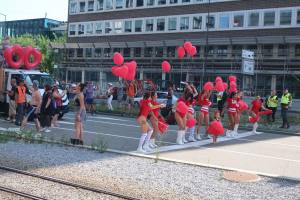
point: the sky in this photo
(30, 9)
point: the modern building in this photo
(40, 26)
(149, 31)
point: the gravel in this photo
(138, 177)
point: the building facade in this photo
(149, 31)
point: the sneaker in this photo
(7, 119)
(141, 150)
(147, 148)
(198, 137)
(192, 139)
(47, 130)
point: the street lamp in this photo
(4, 23)
(208, 25)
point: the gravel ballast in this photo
(138, 177)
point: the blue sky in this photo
(29, 9)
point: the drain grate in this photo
(243, 177)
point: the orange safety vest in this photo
(21, 94)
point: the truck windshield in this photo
(41, 78)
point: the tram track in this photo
(21, 194)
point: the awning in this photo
(85, 45)
(71, 45)
(57, 46)
(101, 45)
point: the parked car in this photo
(161, 98)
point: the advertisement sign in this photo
(248, 62)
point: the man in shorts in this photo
(89, 99)
(12, 102)
(131, 92)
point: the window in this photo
(237, 50)
(138, 25)
(238, 20)
(267, 50)
(88, 52)
(90, 5)
(149, 25)
(269, 18)
(148, 52)
(222, 51)
(137, 52)
(210, 51)
(118, 27)
(71, 53)
(210, 21)
(79, 53)
(139, 3)
(184, 23)
(98, 52)
(197, 22)
(160, 24)
(80, 29)
(298, 17)
(106, 52)
(108, 27)
(99, 5)
(286, 17)
(171, 51)
(72, 30)
(161, 2)
(150, 2)
(98, 28)
(173, 1)
(108, 4)
(128, 26)
(82, 7)
(283, 50)
(172, 24)
(129, 3)
(89, 28)
(73, 7)
(224, 21)
(119, 4)
(186, 1)
(253, 19)
(126, 52)
(297, 50)
(117, 50)
(159, 51)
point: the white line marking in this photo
(271, 143)
(108, 118)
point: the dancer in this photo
(145, 108)
(255, 113)
(232, 105)
(238, 113)
(80, 116)
(205, 103)
(110, 96)
(154, 116)
(216, 128)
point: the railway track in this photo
(21, 194)
(62, 182)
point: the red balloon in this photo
(180, 52)
(219, 87)
(243, 106)
(232, 78)
(182, 108)
(187, 46)
(208, 86)
(218, 78)
(118, 58)
(37, 56)
(225, 86)
(120, 71)
(192, 51)
(166, 67)
(191, 123)
(216, 128)
(131, 70)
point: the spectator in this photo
(272, 103)
(21, 101)
(12, 102)
(56, 104)
(109, 94)
(46, 109)
(120, 94)
(89, 100)
(131, 90)
(286, 101)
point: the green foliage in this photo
(41, 42)
(99, 144)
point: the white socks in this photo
(141, 142)
(180, 135)
(191, 132)
(147, 141)
(255, 126)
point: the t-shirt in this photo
(46, 97)
(131, 90)
(90, 92)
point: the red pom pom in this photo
(219, 87)
(266, 112)
(118, 58)
(218, 79)
(232, 78)
(162, 125)
(187, 46)
(166, 67)
(243, 106)
(182, 108)
(225, 86)
(131, 70)
(208, 86)
(232, 87)
(192, 51)
(191, 123)
(216, 128)
(180, 52)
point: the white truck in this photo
(29, 76)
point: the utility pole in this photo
(5, 32)
(208, 24)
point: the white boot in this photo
(192, 135)
(146, 146)
(183, 137)
(179, 137)
(255, 126)
(141, 142)
(229, 133)
(198, 137)
(235, 130)
(152, 144)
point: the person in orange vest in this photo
(20, 101)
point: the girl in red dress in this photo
(238, 114)
(205, 103)
(154, 116)
(145, 108)
(216, 128)
(257, 106)
(232, 106)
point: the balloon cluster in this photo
(17, 56)
(221, 86)
(125, 70)
(186, 48)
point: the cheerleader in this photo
(216, 128)
(190, 102)
(255, 113)
(205, 103)
(154, 116)
(232, 113)
(238, 113)
(145, 108)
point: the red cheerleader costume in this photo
(205, 104)
(216, 128)
(144, 108)
(232, 106)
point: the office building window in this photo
(210, 21)
(160, 24)
(137, 52)
(117, 50)
(173, 1)
(138, 25)
(148, 52)
(129, 3)
(297, 50)
(150, 2)
(186, 1)
(238, 20)
(283, 50)
(106, 52)
(72, 30)
(126, 52)
(222, 51)
(237, 50)
(118, 27)
(108, 4)
(73, 7)
(298, 17)
(197, 22)
(159, 51)
(80, 29)
(98, 52)
(99, 4)
(71, 53)
(210, 51)
(90, 6)
(82, 7)
(89, 28)
(149, 25)
(79, 53)
(286, 17)
(267, 50)
(108, 27)
(88, 52)
(98, 28)
(119, 4)
(161, 2)
(252, 48)
(224, 21)
(139, 3)
(184, 23)
(128, 26)
(269, 18)
(171, 52)
(253, 19)
(172, 24)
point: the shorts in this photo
(82, 116)
(204, 112)
(130, 100)
(89, 101)
(12, 108)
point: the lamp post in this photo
(4, 23)
(208, 24)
